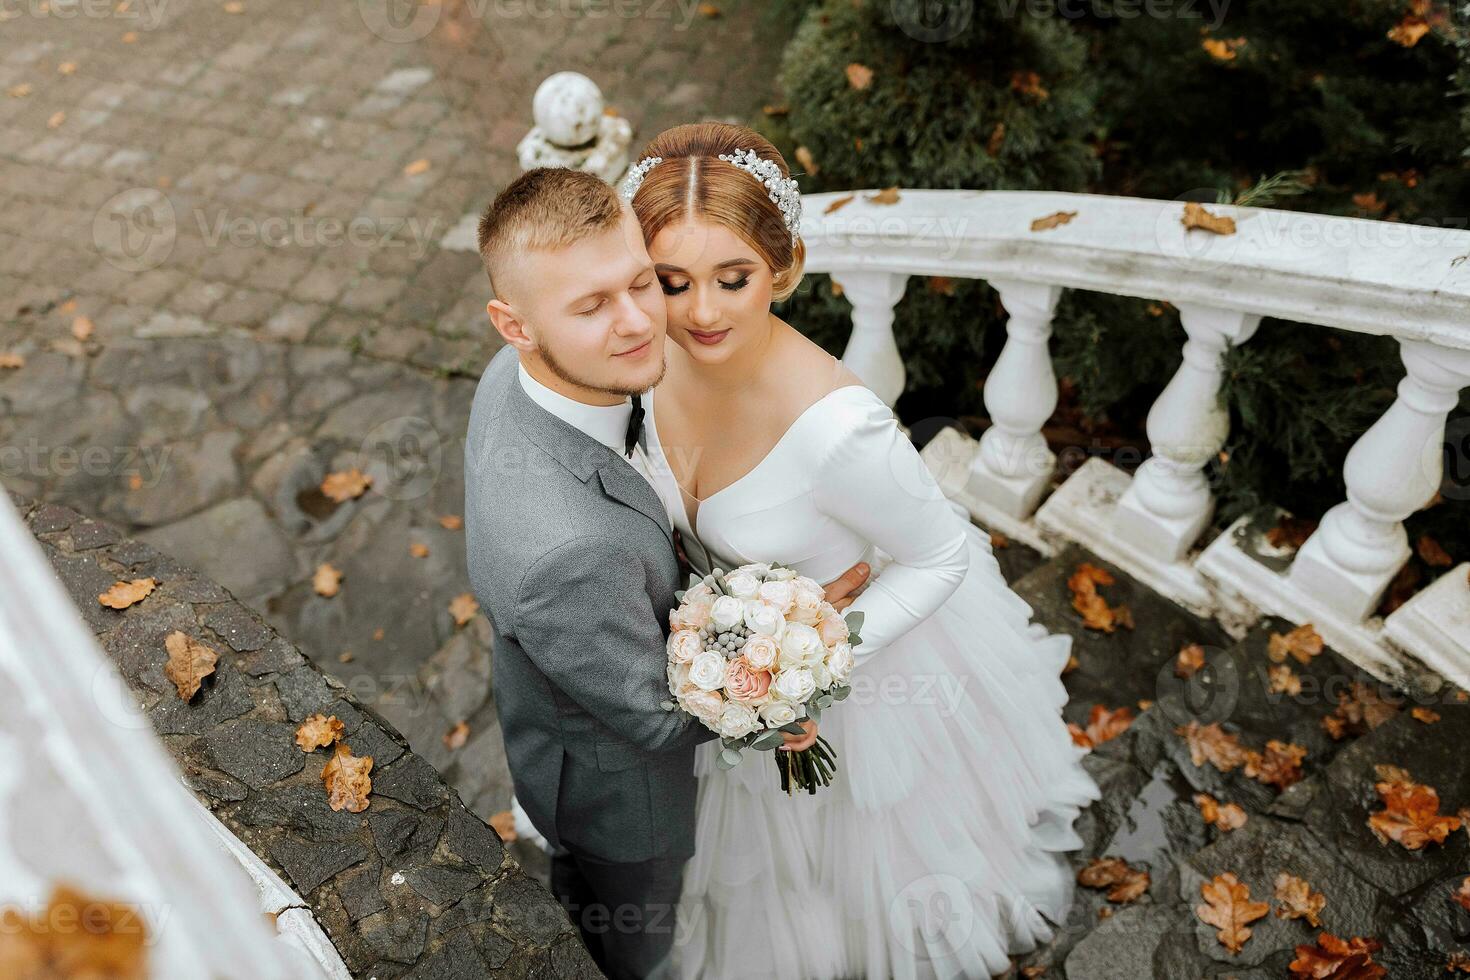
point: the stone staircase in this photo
(1316, 829)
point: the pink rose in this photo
(832, 628)
(690, 616)
(745, 684)
(683, 646)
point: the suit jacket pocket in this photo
(617, 756)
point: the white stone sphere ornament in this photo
(573, 129)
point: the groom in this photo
(572, 555)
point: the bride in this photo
(938, 849)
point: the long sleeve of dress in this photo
(873, 481)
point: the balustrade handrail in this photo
(1379, 277)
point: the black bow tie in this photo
(635, 427)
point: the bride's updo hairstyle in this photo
(692, 182)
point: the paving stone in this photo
(397, 831)
(441, 886)
(411, 780)
(234, 542)
(308, 865)
(254, 752)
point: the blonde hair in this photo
(692, 183)
(544, 208)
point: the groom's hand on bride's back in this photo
(840, 590)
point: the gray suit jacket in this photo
(571, 555)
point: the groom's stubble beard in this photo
(560, 370)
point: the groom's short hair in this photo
(544, 208)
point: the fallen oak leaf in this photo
(417, 167)
(1432, 553)
(1284, 680)
(456, 737)
(1052, 220)
(345, 485)
(1462, 895)
(1297, 899)
(418, 549)
(1426, 715)
(859, 76)
(1195, 216)
(888, 195)
(189, 662)
(463, 608)
(1227, 907)
(1124, 884)
(1332, 957)
(504, 824)
(1410, 816)
(347, 780)
(1190, 659)
(1211, 743)
(327, 581)
(10, 361)
(1302, 643)
(806, 161)
(124, 594)
(319, 731)
(1225, 816)
(451, 522)
(1279, 766)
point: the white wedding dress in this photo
(938, 847)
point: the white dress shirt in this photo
(608, 424)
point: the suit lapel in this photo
(628, 487)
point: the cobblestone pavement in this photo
(236, 254)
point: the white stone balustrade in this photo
(1169, 503)
(872, 353)
(1411, 282)
(1392, 471)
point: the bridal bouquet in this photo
(752, 653)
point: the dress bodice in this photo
(843, 484)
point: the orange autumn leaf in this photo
(1426, 715)
(1358, 712)
(10, 361)
(997, 139)
(124, 594)
(82, 328)
(859, 76)
(1072, 664)
(56, 119)
(111, 943)
(1302, 643)
(1211, 743)
(189, 662)
(1190, 659)
(998, 541)
(1223, 48)
(1331, 957)
(806, 161)
(1297, 900)
(346, 778)
(1462, 895)
(504, 824)
(1458, 962)
(319, 731)
(1291, 532)
(416, 168)
(1225, 816)
(709, 10)
(1195, 216)
(1124, 884)
(451, 522)
(457, 736)
(327, 581)
(839, 202)
(888, 195)
(1284, 680)
(1227, 907)
(1090, 604)
(1052, 220)
(1029, 83)
(1280, 765)
(463, 608)
(1410, 816)
(418, 550)
(1408, 31)
(1104, 725)
(346, 485)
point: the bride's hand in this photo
(800, 743)
(840, 590)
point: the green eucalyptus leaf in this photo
(729, 758)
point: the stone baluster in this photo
(1013, 464)
(1169, 503)
(872, 354)
(1391, 471)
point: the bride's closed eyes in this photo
(674, 287)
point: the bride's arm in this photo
(872, 480)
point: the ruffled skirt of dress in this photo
(938, 849)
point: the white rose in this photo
(831, 626)
(759, 569)
(761, 651)
(707, 672)
(840, 662)
(726, 612)
(742, 585)
(778, 594)
(808, 601)
(782, 574)
(737, 720)
(704, 705)
(796, 685)
(822, 675)
(679, 680)
(763, 619)
(684, 646)
(778, 713)
(801, 646)
(700, 594)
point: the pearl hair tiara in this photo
(782, 190)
